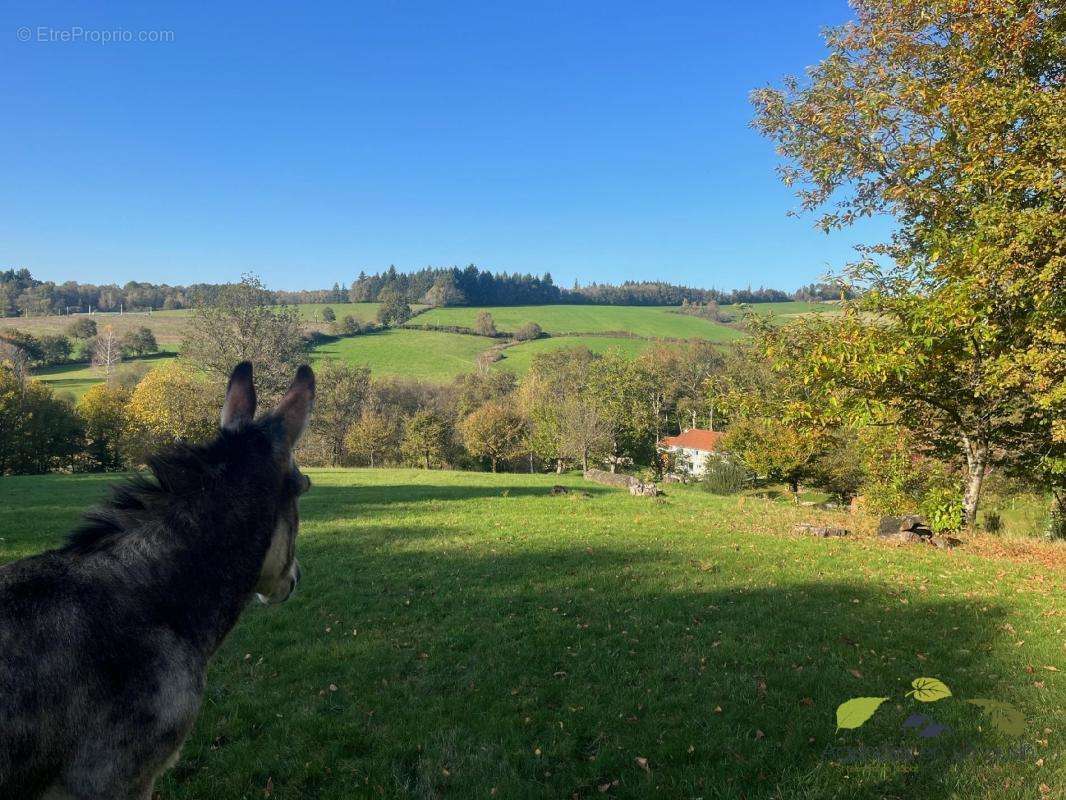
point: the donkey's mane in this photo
(174, 475)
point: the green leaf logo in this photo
(854, 712)
(1004, 716)
(928, 690)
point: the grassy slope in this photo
(639, 320)
(519, 357)
(790, 308)
(168, 326)
(365, 312)
(458, 633)
(79, 378)
(418, 354)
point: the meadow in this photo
(644, 321)
(468, 635)
(431, 355)
(76, 379)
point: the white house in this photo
(692, 448)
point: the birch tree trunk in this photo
(976, 463)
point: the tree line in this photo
(23, 295)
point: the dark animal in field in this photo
(104, 643)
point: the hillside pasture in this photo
(77, 379)
(468, 635)
(431, 355)
(364, 312)
(168, 326)
(644, 321)
(519, 357)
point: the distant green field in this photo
(364, 312)
(417, 354)
(518, 358)
(649, 321)
(789, 309)
(469, 635)
(77, 379)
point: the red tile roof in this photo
(694, 439)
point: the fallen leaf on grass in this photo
(853, 713)
(928, 690)
(1004, 716)
(642, 763)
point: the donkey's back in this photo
(96, 695)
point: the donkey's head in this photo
(283, 427)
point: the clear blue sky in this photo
(597, 141)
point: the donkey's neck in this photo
(208, 573)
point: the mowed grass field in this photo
(645, 321)
(168, 326)
(77, 379)
(467, 635)
(417, 354)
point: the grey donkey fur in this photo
(104, 643)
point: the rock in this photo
(823, 531)
(921, 530)
(945, 542)
(888, 525)
(640, 489)
(911, 522)
(827, 532)
(610, 478)
(557, 490)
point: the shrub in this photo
(724, 476)
(82, 328)
(349, 326)
(485, 326)
(55, 349)
(139, 342)
(993, 522)
(328, 314)
(942, 509)
(528, 332)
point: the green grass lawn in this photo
(649, 321)
(417, 354)
(77, 379)
(517, 358)
(468, 635)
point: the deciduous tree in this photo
(426, 438)
(495, 431)
(240, 324)
(341, 391)
(170, 403)
(948, 116)
(103, 412)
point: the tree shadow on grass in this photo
(567, 673)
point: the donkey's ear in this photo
(239, 408)
(294, 410)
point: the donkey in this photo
(104, 643)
